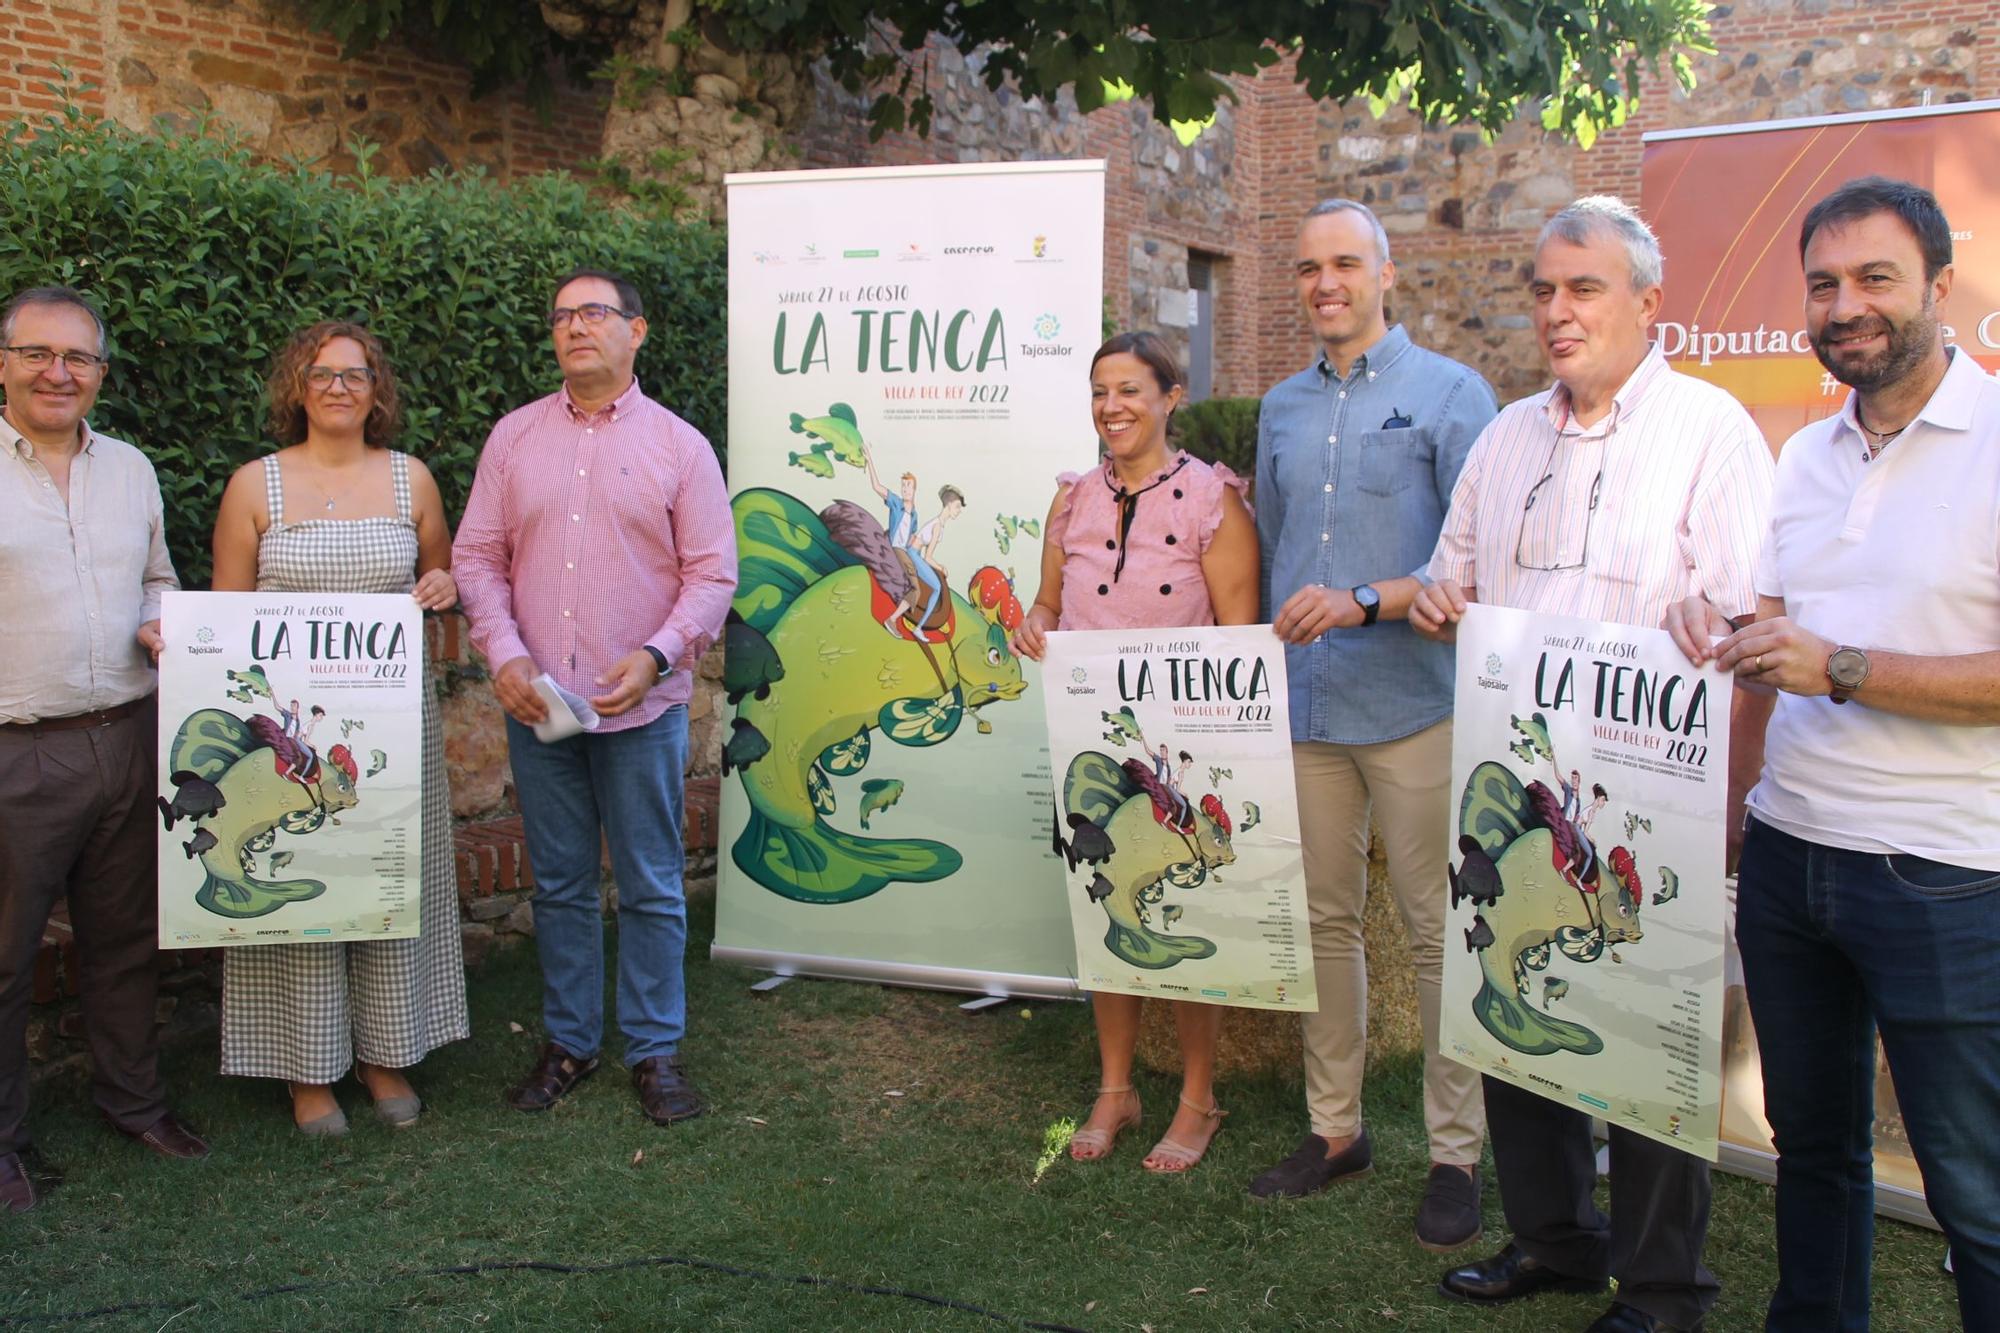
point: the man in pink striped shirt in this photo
(1612, 496)
(597, 548)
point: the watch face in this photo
(1847, 668)
(1365, 595)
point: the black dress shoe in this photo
(665, 1094)
(556, 1072)
(1621, 1318)
(1508, 1276)
(1448, 1218)
(168, 1137)
(1309, 1170)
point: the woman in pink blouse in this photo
(1151, 539)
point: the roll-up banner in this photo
(1727, 202)
(909, 353)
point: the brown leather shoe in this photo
(665, 1094)
(168, 1137)
(17, 1186)
(555, 1073)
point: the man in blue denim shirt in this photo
(1356, 459)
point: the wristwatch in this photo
(659, 660)
(1369, 601)
(1847, 669)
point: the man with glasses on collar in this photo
(1612, 496)
(598, 548)
(83, 562)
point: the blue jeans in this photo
(630, 784)
(1836, 943)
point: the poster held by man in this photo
(1176, 815)
(1583, 956)
(290, 768)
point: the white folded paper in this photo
(568, 713)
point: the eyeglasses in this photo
(596, 312)
(1549, 533)
(354, 379)
(41, 358)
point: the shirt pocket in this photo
(1392, 459)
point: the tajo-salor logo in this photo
(1047, 326)
(204, 635)
(1493, 664)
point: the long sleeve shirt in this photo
(1352, 479)
(78, 578)
(589, 535)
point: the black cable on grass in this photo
(549, 1266)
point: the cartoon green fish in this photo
(1124, 728)
(793, 579)
(1216, 775)
(252, 679)
(1144, 852)
(1535, 736)
(816, 463)
(1670, 887)
(377, 761)
(879, 794)
(1537, 909)
(838, 429)
(1252, 815)
(257, 800)
(749, 664)
(1553, 988)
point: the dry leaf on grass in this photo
(756, 1120)
(515, 1027)
(638, 1156)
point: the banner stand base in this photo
(770, 983)
(983, 1003)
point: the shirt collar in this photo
(22, 447)
(1631, 395)
(1384, 353)
(1951, 404)
(1176, 460)
(611, 411)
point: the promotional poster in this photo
(1584, 944)
(291, 767)
(909, 370)
(1177, 817)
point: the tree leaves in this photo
(1472, 61)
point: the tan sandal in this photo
(1171, 1158)
(1097, 1143)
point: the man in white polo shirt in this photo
(1870, 878)
(1613, 496)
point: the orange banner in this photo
(1727, 206)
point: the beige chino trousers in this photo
(1408, 784)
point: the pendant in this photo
(329, 506)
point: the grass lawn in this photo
(860, 1135)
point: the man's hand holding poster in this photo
(1583, 950)
(1176, 816)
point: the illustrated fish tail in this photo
(1516, 1024)
(823, 864)
(1147, 948)
(166, 811)
(248, 897)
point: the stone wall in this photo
(258, 68)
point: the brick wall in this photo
(285, 88)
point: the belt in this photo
(103, 717)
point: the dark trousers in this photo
(77, 819)
(1652, 1241)
(1836, 944)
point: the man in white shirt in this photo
(83, 562)
(1612, 496)
(1869, 893)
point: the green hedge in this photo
(204, 261)
(1221, 430)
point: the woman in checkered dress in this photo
(337, 511)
